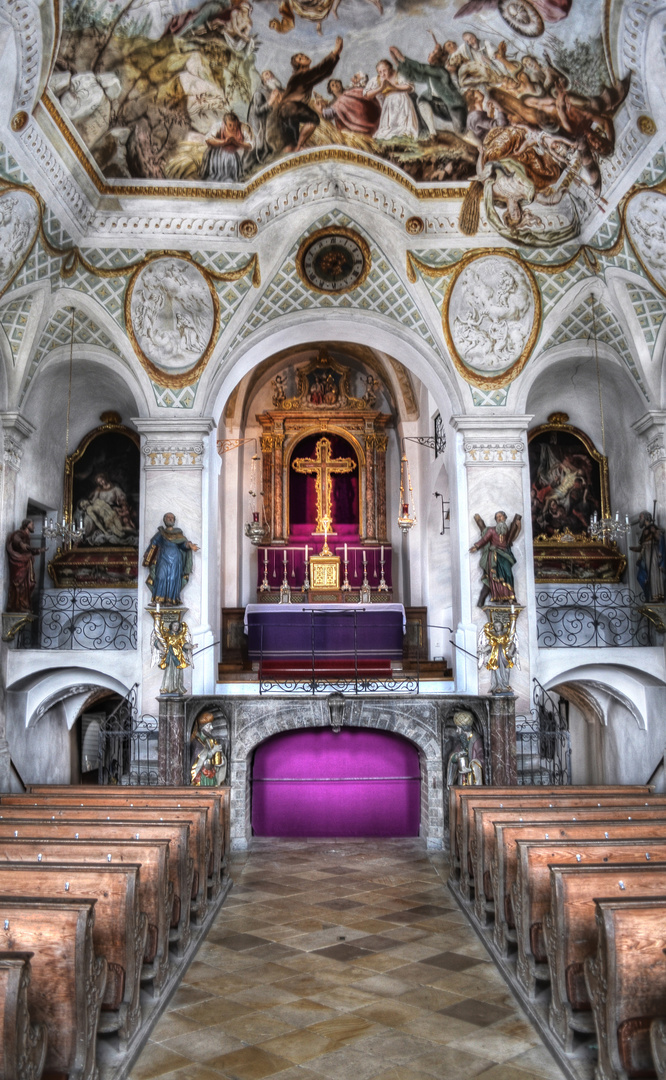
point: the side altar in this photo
(324, 489)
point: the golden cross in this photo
(324, 466)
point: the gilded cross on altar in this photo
(324, 467)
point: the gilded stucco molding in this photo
(509, 452)
(173, 456)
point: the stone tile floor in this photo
(342, 959)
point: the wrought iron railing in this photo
(593, 616)
(88, 619)
(543, 742)
(128, 745)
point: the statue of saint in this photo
(497, 649)
(171, 650)
(209, 765)
(651, 564)
(21, 556)
(169, 557)
(497, 558)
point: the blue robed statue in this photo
(169, 557)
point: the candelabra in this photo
(69, 531)
(608, 528)
(265, 587)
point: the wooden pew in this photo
(78, 826)
(556, 824)
(155, 893)
(216, 799)
(626, 981)
(531, 891)
(562, 797)
(67, 985)
(134, 808)
(658, 1046)
(457, 795)
(570, 932)
(119, 932)
(22, 1044)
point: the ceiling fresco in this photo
(514, 99)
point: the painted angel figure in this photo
(171, 650)
(497, 650)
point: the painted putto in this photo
(517, 98)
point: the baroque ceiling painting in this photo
(516, 99)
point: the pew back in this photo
(22, 1044)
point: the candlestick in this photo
(306, 553)
(345, 553)
(265, 587)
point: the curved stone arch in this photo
(560, 354)
(423, 732)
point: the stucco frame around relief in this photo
(518, 266)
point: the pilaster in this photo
(651, 428)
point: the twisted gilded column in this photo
(381, 446)
(370, 515)
(278, 488)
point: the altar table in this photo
(329, 631)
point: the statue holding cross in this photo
(324, 466)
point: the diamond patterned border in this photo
(56, 334)
(13, 319)
(650, 311)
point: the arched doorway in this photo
(316, 782)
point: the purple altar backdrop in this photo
(325, 631)
(359, 782)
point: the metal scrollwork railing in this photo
(128, 745)
(593, 616)
(543, 742)
(82, 619)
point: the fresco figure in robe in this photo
(497, 558)
(21, 555)
(169, 556)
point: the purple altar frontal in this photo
(358, 782)
(330, 631)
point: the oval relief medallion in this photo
(491, 317)
(19, 222)
(645, 217)
(172, 314)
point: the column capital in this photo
(177, 443)
(652, 426)
(493, 440)
(16, 431)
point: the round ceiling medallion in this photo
(172, 314)
(491, 317)
(333, 261)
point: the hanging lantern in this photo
(255, 528)
(406, 520)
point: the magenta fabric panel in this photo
(302, 486)
(356, 783)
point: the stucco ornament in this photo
(172, 315)
(19, 222)
(646, 227)
(491, 318)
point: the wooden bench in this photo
(136, 809)
(658, 1046)
(22, 1044)
(216, 799)
(531, 891)
(626, 981)
(458, 795)
(558, 825)
(67, 985)
(533, 800)
(155, 893)
(119, 932)
(78, 826)
(570, 933)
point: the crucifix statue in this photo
(324, 466)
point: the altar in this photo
(325, 632)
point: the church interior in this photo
(333, 503)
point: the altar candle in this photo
(364, 557)
(285, 556)
(306, 552)
(381, 553)
(345, 553)
(265, 556)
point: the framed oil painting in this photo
(102, 496)
(568, 485)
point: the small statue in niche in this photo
(371, 391)
(21, 556)
(464, 766)
(497, 647)
(209, 764)
(497, 558)
(169, 557)
(279, 392)
(651, 564)
(171, 650)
